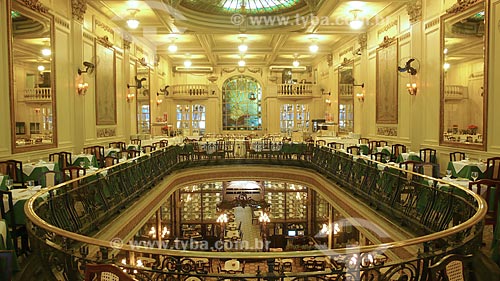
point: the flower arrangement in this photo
(472, 129)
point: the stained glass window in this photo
(241, 104)
(235, 6)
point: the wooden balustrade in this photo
(295, 90)
(190, 90)
(38, 94)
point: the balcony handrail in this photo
(318, 163)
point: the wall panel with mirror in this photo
(31, 64)
(346, 96)
(464, 76)
(143, 99)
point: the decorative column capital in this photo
(414, 9)
(78, 9)
(363, 40)
(126, 44)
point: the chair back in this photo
(490, 190)
(397, 149)
(148, 148)
(320, 142)
(105, 272)
(457, 156)
(493, 165)
(132, 153)
(135, 141)
(382, 143)
(364, 140)
(14, 169)
(452, 267)
(335, 145)
(354, 150)
(372, 146)
(64, 159)
(7, 212)
(428, 155)
(379, 156)
(118, 144)
(110, 161)
(70, 173)
(50, 178)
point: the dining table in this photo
(19, 197)
(412, 156)
(464, 168)
(89, 160)
(34, 171)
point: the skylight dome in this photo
(240, 6)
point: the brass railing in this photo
(62, 219)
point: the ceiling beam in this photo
(278, 41)
(206, 42)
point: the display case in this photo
(294, 117)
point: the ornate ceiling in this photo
(277, 31)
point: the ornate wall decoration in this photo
(363, 40)
(105, 85)
(79, 7)
(387, 131)
(329, 59)
(106, 132)
(387, 82)
(126, 43)
(462, 5)
(35, 5)
(414, 10)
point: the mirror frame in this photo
(37, 11)
(456, 11)
(138, 65)
(346, 63)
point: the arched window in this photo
(241, 104)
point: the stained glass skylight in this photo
(235, 6)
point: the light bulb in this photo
(242, 48)
(356, 23)
(313, 48)
(241, 63)
(46, 52)
(446, 66)
(133, 23)
(41, 68)
(172, 48)
(187, 63)
(296, 63)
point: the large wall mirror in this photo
(346, 96)
(143, 95)
(464, 76)
(32, 95)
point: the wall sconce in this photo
(159, 100)
(164, 90)
(412, 88)
(138, 83)
(130, 97)
(328, 102)
(89, 68)
(360, 96)
(82, 88)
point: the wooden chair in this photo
(74, 172)
(132, 153)
(354, 150)
(118, 144)
(364, 140)
(428, 155)
(397, 149)
(320, 142)
(63, 159)
(382, 143)
(15, 223)
(490, 191)
(14, 169)
(457, 156)
(110, 161)
(148, 148)
(287, 267)
(379, 156)
(452, 267)
(50, 178)
(136, 141)
(493, 165)
(229, 148)
(105, 272)
(335, 145)
(372, 146)
(409, 165)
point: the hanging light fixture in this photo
(355, 23)
(133, 23)
(187, 62)
(295, 62)
(242, 47)
(241, 62)
(172, 48)
(313, 48)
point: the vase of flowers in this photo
(164, 130)
(472, 129)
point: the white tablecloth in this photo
(459, 165)
(29, 168)
(18, 195)
(3, 231)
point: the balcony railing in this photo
(63, 218)
(295, 90)
(190, 91)
(38, 95)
